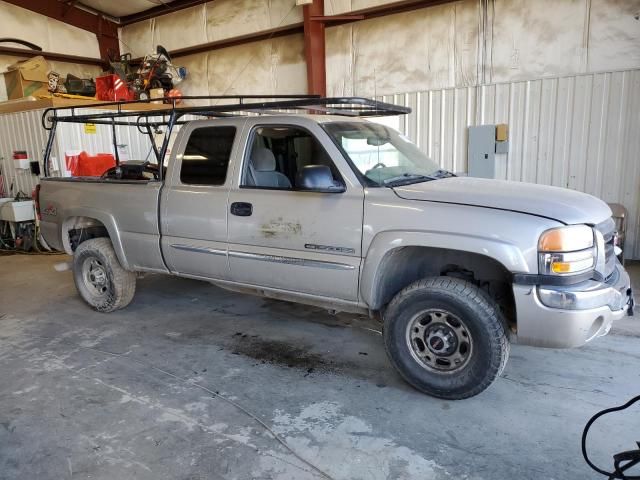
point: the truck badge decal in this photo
(51, 210)
(328, 248)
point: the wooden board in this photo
(32, 103)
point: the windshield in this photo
(383, 156)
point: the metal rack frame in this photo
(125, 114)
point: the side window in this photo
(277, 153)
(206, 157)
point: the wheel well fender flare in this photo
(75, 215)
(387, 244)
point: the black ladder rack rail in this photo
(146, 120)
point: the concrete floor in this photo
(132, 394)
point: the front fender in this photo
(109, 222)
(385, 243)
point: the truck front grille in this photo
(608, 231)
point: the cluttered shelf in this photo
(32, 84)
(33, 103)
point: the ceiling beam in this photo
(159, 10)
(105, 30)
(69, 4)
(60, 11)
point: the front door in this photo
(279, 237)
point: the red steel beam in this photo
(160, 10)
(314, 48)
(105, 30)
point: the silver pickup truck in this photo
(343, 213)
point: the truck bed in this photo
(128, 209)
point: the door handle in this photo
(241, 209)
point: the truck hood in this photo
(564, 205)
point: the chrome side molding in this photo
(191, 248)
(302, 262)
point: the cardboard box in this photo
(27, 78)
(156, 93)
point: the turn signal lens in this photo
(561, 267)
(566, 239)
(559, 263)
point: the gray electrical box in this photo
(487, 151)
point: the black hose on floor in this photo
(621, 461)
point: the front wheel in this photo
(99, 277)
(446, 337)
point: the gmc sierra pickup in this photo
(339, 212)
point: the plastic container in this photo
(21, 211)
(81, 164)
(21, 160)
(112, 88)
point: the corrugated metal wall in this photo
(23, 131)
(580, 132)
(20, 131)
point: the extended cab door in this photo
(193, 207)
(280, 237)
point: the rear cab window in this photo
(206, 157)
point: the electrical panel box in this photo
(487, 149)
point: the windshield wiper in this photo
(443, 174)
(407, 179)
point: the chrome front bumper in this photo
(570, 316)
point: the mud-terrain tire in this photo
(100, 279)
(446, 337)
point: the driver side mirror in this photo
(318, 178)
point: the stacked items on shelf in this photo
(155, 77)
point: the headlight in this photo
(566, 250)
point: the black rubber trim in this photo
(97, 180)
(535, 279)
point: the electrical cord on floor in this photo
(186, 381)
(621, 461)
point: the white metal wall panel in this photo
(20, 131)
(580, 132)
(23, 131)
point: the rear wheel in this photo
(446, 337)
(99, 277)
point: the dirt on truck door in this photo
(283, 237)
